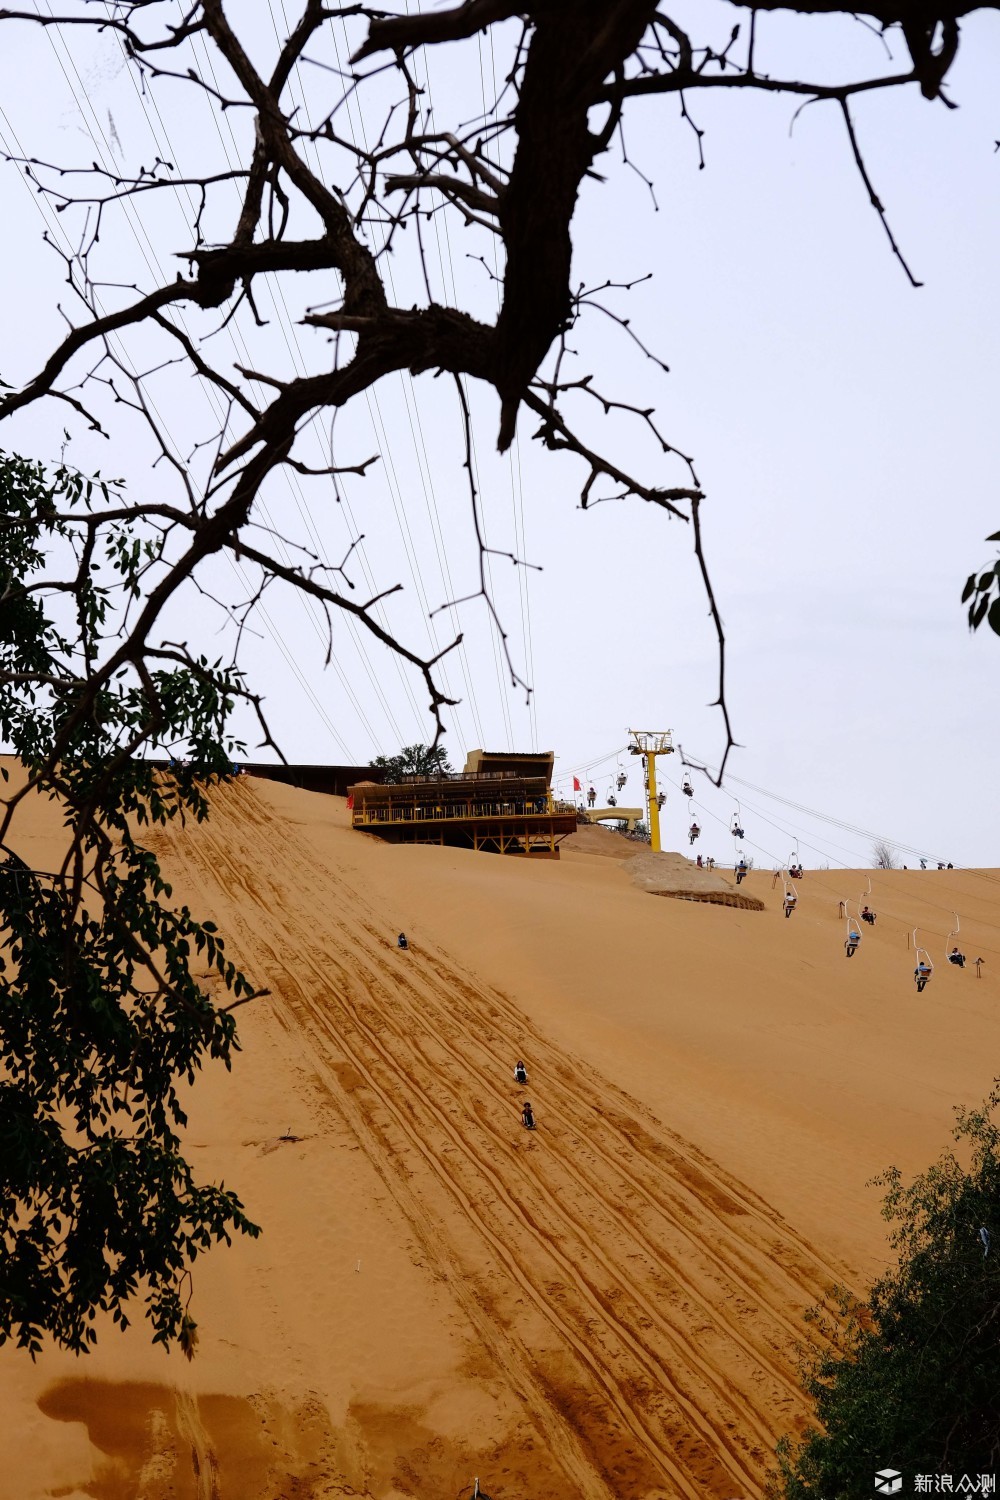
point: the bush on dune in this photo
(909, 1381)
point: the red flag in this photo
(576, 784)
(350, 801)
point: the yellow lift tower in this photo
(651, 743)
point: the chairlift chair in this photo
(958, 961)
(853, 939)
(923, 972)
(686, 787)
(790, 898)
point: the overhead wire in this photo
(412, 406)
(371, 399)
(452, 293)
(514, 451)
(292, 480)
(310, 606)
(56, 230)
(136, 225)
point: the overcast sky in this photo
(843, 427)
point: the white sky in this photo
(843, 427)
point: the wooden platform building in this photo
(500, 803)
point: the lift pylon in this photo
(650, 743)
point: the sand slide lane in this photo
(644, 1299)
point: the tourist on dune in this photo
(401, 941)
(520, 1076)
(527, 1118)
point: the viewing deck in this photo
(498, 812)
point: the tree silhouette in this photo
(317, 206)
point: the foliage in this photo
(883, 856)
(909, 1381)
(978, 593)
(415, 760)
(102, 1019)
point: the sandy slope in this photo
(605, 1308)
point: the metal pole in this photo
(654, 811)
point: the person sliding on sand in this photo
(956, 958)
(921, 974)
(401, 941)
(520, 1076)
(867, 915)
(790, 902)
(527, 1118)
(741, 871)
(851, 945)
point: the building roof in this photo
(511, 763)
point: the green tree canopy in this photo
(415, 760)
(101, 1016)
(910, 1381)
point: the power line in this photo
(166, 431)
(407, 386)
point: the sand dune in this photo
(606, 1308)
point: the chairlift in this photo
(954, 955)
(790, 899)
(694, 832)
(686, 787)
(853, 939)
(621, 778)
(736, 827)
(923, 973)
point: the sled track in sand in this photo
(640, 1301)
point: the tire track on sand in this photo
(599, 1250)
(571, 1423)
(656, 1426)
